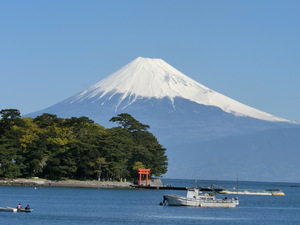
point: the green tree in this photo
(8, 158)
(10, 118)
(47, 119)
(116, 148)
(129, 123)
(32, 149)
(99, 165)
(10, 133)
(138, 165)
(144, 147)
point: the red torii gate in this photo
(141, 172)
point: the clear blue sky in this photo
(246, 50)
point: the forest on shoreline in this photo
(77, 148)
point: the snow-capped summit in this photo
(154, 78)
(145, 77)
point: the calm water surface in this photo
(128, 207)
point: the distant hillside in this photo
(261, 156)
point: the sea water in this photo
(58, 205)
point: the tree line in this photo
(76, 148)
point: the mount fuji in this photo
(207, 135)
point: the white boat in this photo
(196, 198)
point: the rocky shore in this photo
(67, 183)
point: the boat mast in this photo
(237, 185)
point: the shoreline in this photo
(75, 183)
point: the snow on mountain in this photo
(154, 78)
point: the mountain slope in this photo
(154, 78)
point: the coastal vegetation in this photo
(76, 148)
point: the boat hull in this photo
(175, 200)
(220, 204)
(24, 210)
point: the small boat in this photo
(24, 210)
(196, 198)
(11, 209)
